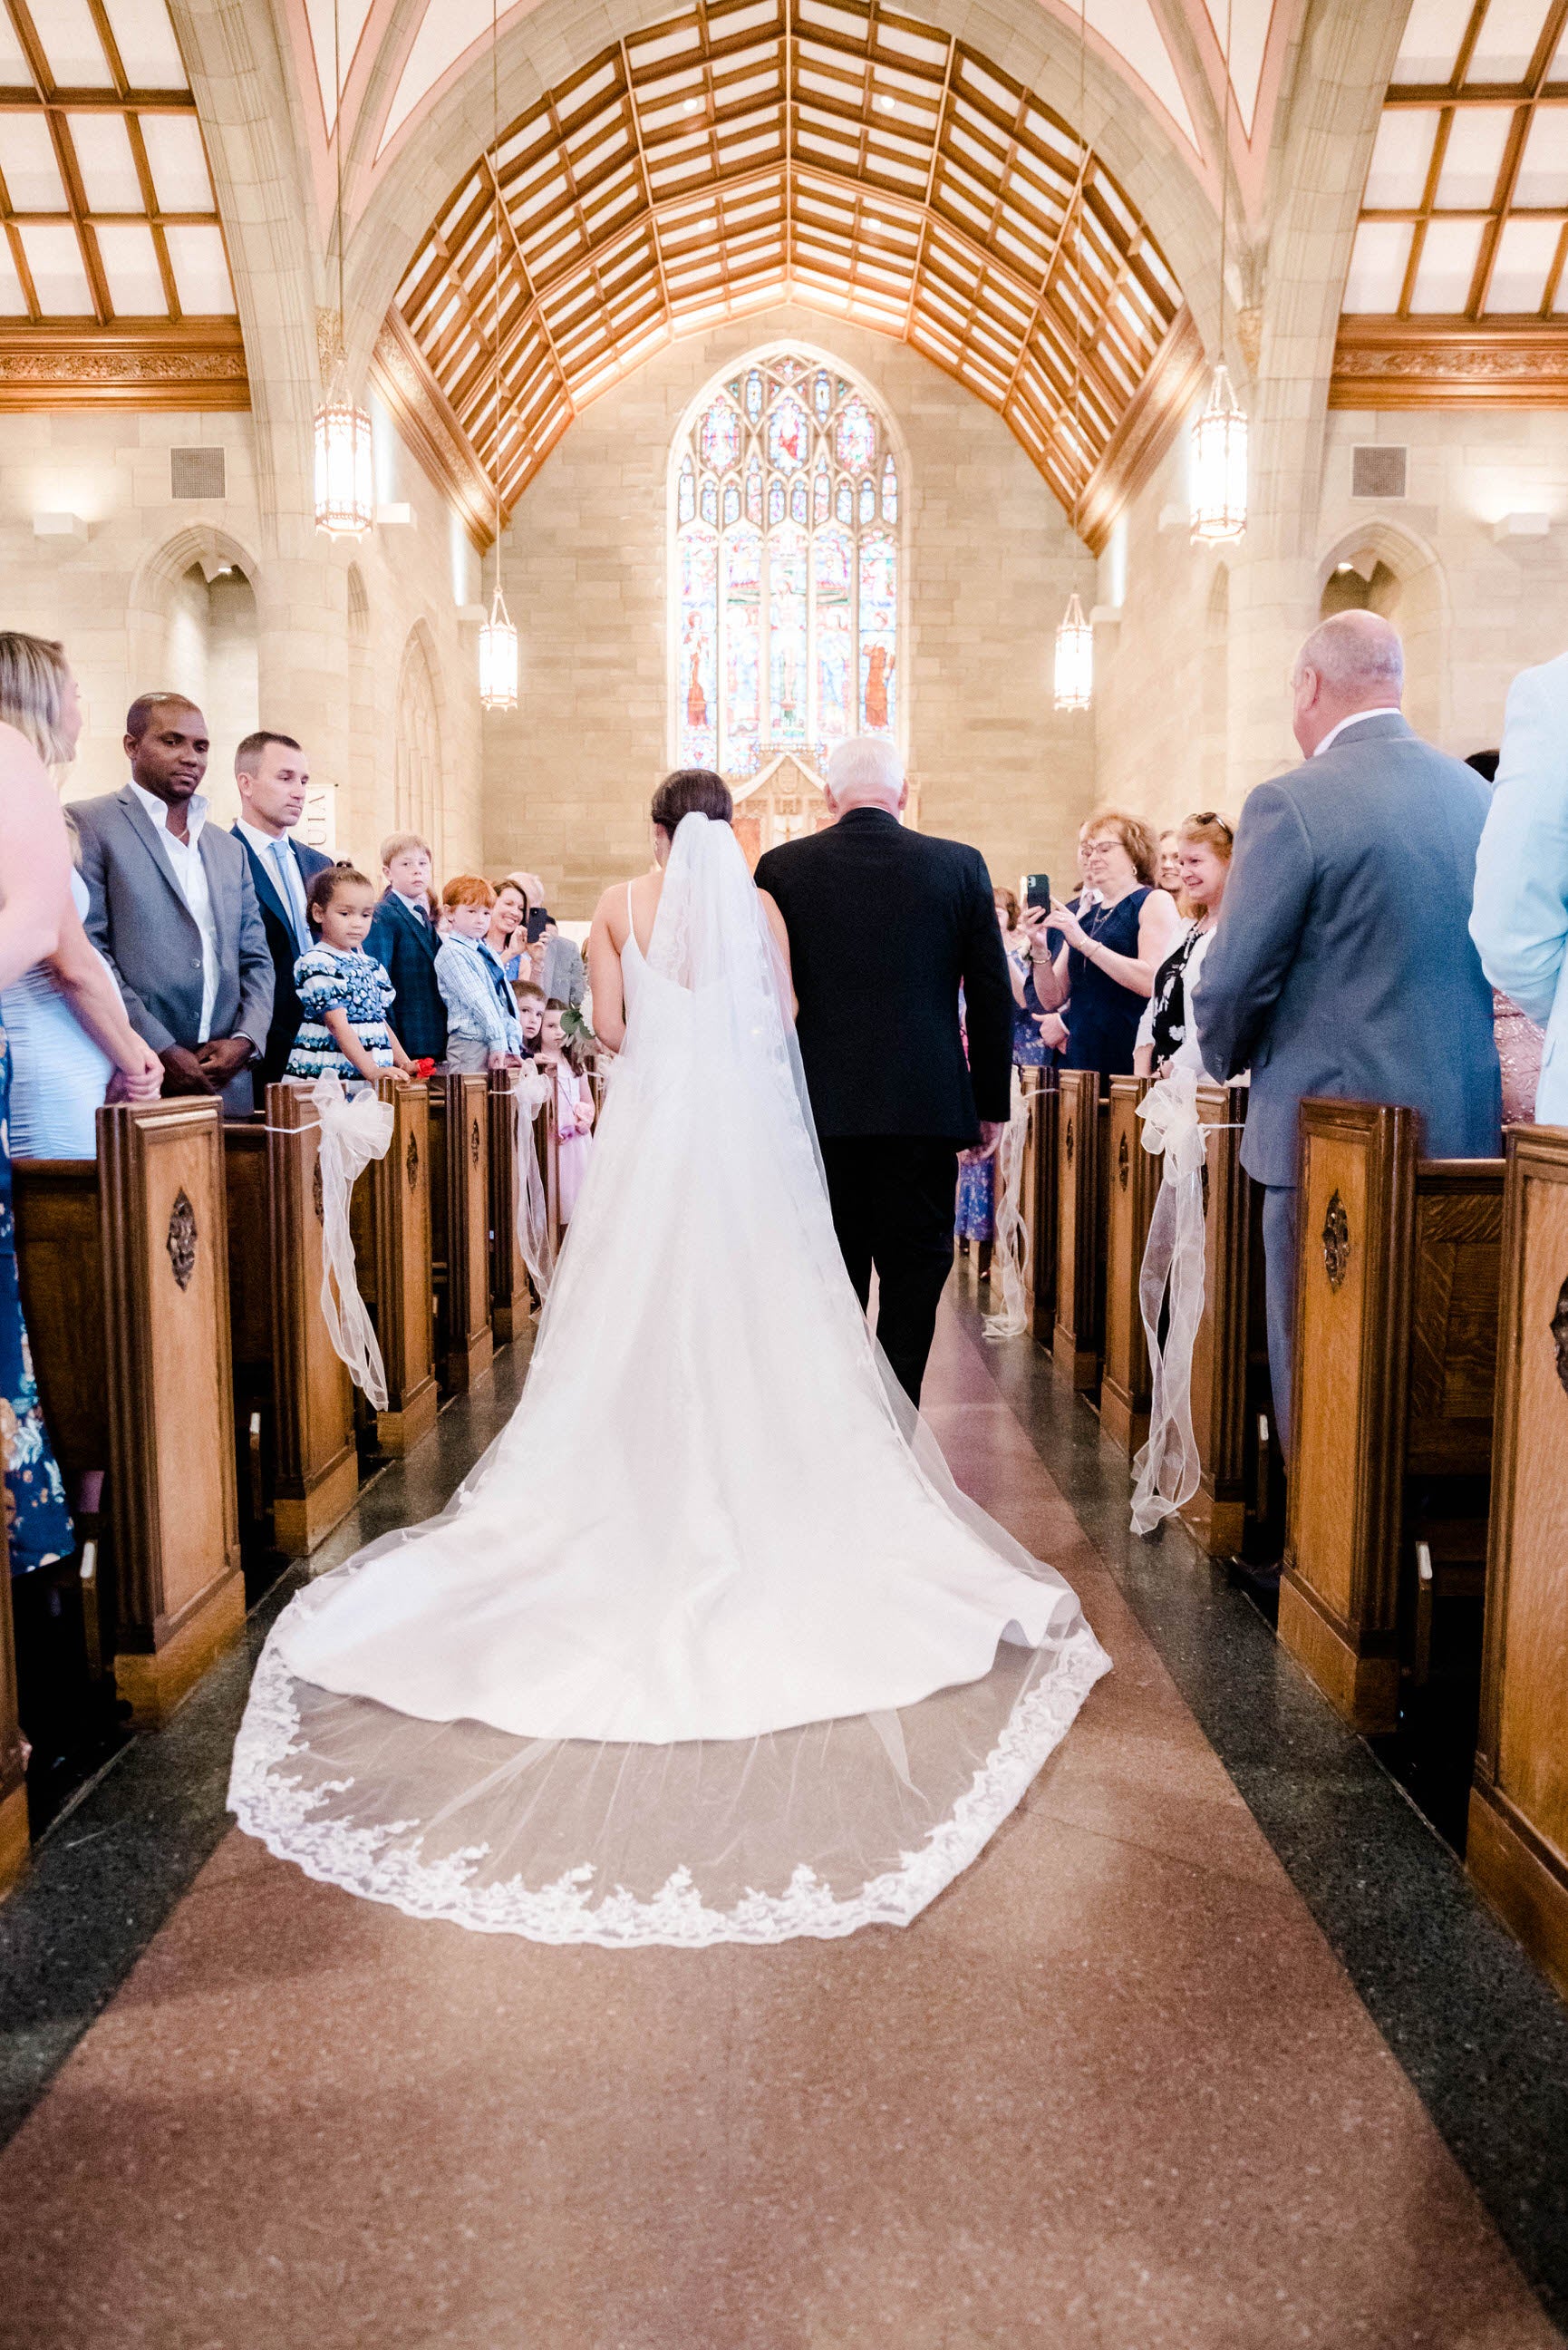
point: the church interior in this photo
(511, 402)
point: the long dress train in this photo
(709, 1647)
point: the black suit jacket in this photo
(884, 926)
(285, 952)
(407, 948)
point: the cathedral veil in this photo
(709, 1647)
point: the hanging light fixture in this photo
(1074, 665)
(1220, 435)
(498, 637)
(345, 471)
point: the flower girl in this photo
(574, 1106)
(343, 992)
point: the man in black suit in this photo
(272, 775)
(885, 927)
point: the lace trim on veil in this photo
(277, 1810)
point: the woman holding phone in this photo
(1115, 935)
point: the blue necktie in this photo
(283, 859)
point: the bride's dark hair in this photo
(691, 791)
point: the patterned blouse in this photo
(329, 980)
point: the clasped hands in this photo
(203, 1068)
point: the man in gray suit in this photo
(1341, 962)
(173, 908)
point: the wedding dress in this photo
(709, 1647)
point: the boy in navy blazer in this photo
(272, 775)
(403, 936)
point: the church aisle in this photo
(1113, 2090)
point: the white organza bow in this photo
(355, 1128)
(1010, 1251)
(1167, 1466)
(531, 1090)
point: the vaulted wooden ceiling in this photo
(114, 280)
(743, 151)
(1457, 287)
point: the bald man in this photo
(1342, 963)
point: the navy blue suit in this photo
(407, 948)
(283, 948)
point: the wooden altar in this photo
(785, 800)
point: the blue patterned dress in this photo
(37, 1522)
(326, 979)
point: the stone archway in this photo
(1382, 566)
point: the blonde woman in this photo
(71, 1044)
(1114, 936)
(1166, 1036)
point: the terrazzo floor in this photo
(1113, 2090)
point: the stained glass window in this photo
(786, 569)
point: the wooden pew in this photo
(390, 1218)
(287, 1372)
(1044, 1142)
(1133, 1181)
(1233, 1400)
(1518, 1845)
(1083, 1205)
(15, 1844)
(460, 1228)
(510, 1300)
(125, 1284)
(1396, 1310)
(546, 1148)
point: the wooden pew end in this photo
(16, 1842)
(301, 1521)
(152, 1683)
(1508, 1871)
(1363, 1687)
(398, 1432)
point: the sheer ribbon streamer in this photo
(1167, 1466)
(355, 1128)
(531, 1091)
(1009, 1250)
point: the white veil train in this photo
(709, 1647)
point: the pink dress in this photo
(574, 1147)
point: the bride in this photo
(709, 1647)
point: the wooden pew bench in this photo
(1133, 1178)
(1396, 1318)
(1240, 1472)
(390, 1220)
(125, 1286)
(1518, 1845)
(460, 1228)
(1043, 1144)
(291, 1390)
(1083, 1208)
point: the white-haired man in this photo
(885, 925)
(1342, 963)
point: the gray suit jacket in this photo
(1341, 962)
(140, 921)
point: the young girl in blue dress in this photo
(343, 992)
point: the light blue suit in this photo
(1341, 965)
(1521, 920)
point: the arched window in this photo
(786, 568)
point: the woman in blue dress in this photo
(1115, 935)
(40, 716)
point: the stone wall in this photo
(989, 564)
(193, 594)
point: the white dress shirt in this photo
(191, 880)
(282, 866)
(1385, 710)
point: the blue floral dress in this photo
(37, 1522)
(328, 980)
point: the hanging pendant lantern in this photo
(1220, 466)
(498, 657)
(345, 471)
(1074, 659)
